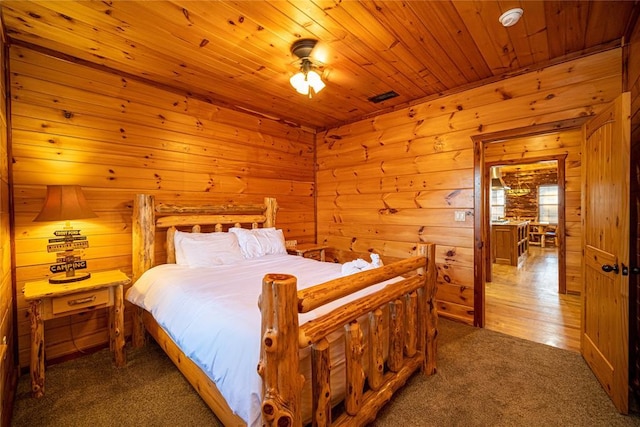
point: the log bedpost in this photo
(353, 351)
(321, 384)
(411, 324)
(376, 349)
(429, 310)
(143, 251)
(278, 366)
(396, 328)
(271, 208)
(171, 245)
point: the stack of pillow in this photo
(209, 249)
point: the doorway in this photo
(559, 143)
(526, 201)
(524, 294)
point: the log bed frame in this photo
(407, 307)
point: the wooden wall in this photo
(117, 137)
(391, 180)
(526, 205)
(7, 337)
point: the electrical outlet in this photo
(460, 216)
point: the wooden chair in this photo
(537, 235)
(550, 234)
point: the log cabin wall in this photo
(114, 136)
(7, 336)
(526, 205)
(399, 177)
(633, 83)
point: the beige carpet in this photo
(484, 379)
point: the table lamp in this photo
(66, 203)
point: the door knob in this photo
(607, 268)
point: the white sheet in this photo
(212, 314)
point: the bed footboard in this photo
(407, 306)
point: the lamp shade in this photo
(304, 82)
(315, 81)
(299, 83)
(63, 203)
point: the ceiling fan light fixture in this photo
(511, 17)
(307, 81)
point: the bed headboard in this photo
(149, 216)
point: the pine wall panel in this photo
(117, 137)
(389, 181)
(7, 338)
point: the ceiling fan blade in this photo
(320, 52)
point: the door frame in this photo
(481, 169)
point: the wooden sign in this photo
(61, 268)
(68, 240)
(65, 239)
(66, 243)
(69, 246)
(66, 233)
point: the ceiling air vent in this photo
(383, 97)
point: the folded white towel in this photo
(359, 265)
(375, 260)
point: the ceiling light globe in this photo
(315, 81)
(299, 83)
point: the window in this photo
(497, 204)
(548, 204)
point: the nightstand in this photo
(308, 250)
(51, 301)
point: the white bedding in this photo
(212, 314)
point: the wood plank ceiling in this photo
(237, 54)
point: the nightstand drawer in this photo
(313, 255)
(79, 301)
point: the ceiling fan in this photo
(308, 80)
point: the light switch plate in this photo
(460, 216)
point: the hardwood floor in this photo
(524, 302)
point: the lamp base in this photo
(63, 278)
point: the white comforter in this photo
(212, 314)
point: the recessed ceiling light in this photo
(511, 16)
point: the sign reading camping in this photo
(66, 243)
(62, 268)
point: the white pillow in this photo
(257, 242)
(179, 237)
(206, 249)
(271, 240)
